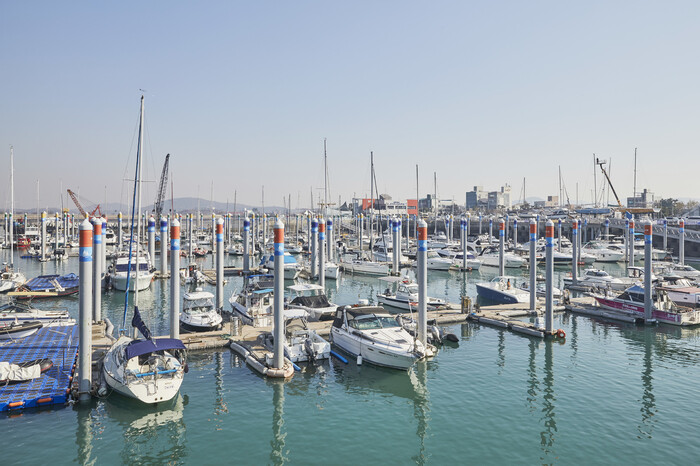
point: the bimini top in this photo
(46, 282)
(305, 287)
(141, 347)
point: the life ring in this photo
(561, 333)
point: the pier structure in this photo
(97, 246)
(321, 252)
(85, 311)
(175, 279)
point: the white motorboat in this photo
(490, 258)
(198, 313)
(21, 312)
(681, 291)
(192, 275)
(406, 297)
(456, 256)
(684, 271)
(435, 261)
(353, 263)
(312, 299)
(10, 280)
(601, 252)
(592, 277)
(332, 270)
(235, 250)
(254, 303)
(503, 289)
(291, 266)
(119, 273)
(301, 343)
(375, 336)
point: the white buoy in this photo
(359, 359)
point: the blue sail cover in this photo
(140, 347)
(138, 323)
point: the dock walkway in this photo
(60, 344)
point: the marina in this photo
(384, 233)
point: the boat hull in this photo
(119, 282)
(372, 353)
(666, 317)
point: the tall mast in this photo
(595, 188)
(12, 206)
(634, 190)
(139, 156)
(560, 193)
(371, 201)
(325, 180)
(435, 200)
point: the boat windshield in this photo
(124, 267)
(373, 322)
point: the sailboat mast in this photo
(139, 156)
(560, 193)
(12, 206)
(371, 201)
(634, 190)
(595, 188)
(435, 200)
(325, 180)
(415, 229)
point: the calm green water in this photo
(611, 393)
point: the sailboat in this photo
(150, 369)
(10, 278)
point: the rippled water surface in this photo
(611, 393)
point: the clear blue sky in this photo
(242, 93)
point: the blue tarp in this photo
(45, 282)
(140, 347)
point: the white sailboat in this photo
(151, 369)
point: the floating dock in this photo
(60, 344)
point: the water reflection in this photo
(152, 433)
(84, 436)
(278, 454)
(421, 407)
(648, 408)
(548, 419)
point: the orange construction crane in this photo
(96, 210)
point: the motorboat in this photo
(602, 253)
(312, 299)
(16, 330)
(198, 312)
(119, 273)
(301, 343)
(682, 270)
(540, 289)
(192, 275)
(435, 261)
(235, 250)
(503, 289)
(372, 335)
(406, 296)
(332, 271)
(10, 280)
(254, 303)
(355, 263)
(457, 256)
(664, 310)
(49, 286)
(291, 266)
(21, 312)
(681, 291)
(596, 278)
(490, 258)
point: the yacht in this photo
(312, 299)
(119, 273)
(490, 258)
(681, 291)
(301, 344)
(254, 303)
(664, 310)
(503, 290)
(457, 256)
(372, 335)
(198, 312)
(355, 263)
(406, 297)
(602, 253)
(596, 278)
(291, 266)
(10, 280)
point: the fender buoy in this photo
(561, 333)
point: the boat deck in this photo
(60, 344)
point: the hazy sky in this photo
(242, 93)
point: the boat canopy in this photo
(141, 347)
(305, 287)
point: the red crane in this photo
(96, 210)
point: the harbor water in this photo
(610, 393)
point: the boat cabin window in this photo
(143, 267)
(373, 323)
